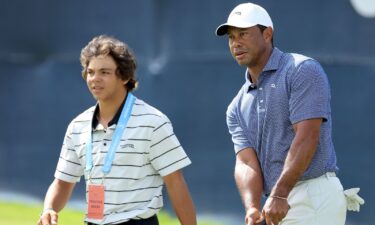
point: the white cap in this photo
(245, 15)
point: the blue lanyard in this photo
(121, 125)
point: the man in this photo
(125, 148)
(280, 122)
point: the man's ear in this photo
(268, 34)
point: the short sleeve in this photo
(237, 132)
(309, 93)
(166, 153)
(69, 167)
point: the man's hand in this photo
(48, 217)
(274, 210)
(253, 216)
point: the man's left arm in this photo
(298, 159)
(180, 197)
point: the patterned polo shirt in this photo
(148, 151)
(290, 89)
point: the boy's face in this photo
(102, 80)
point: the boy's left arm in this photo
(179, 195)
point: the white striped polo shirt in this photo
(148, 151)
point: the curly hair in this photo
(119, 51)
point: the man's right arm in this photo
(249, 180)
(57, 196)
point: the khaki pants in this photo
(318, 201)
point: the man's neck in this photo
(256, 70)
(108, 109)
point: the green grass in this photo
(21, 214)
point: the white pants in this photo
(318, 201)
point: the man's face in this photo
(247, 45)
(102, 80)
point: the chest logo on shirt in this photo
(128, 146)
(273, 85)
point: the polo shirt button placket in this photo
(105, 136)
(261, 101)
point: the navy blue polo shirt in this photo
(290, 89)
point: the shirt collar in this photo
(249, 83)
(114, 120)
(274, 60)
(272, 64)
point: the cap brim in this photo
(222, 29)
